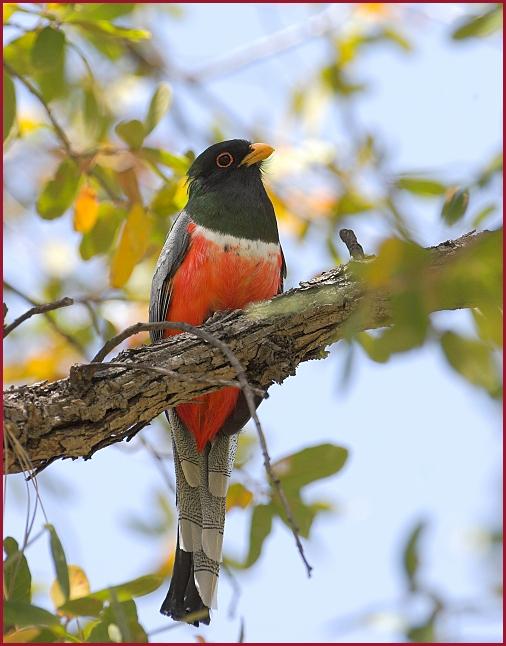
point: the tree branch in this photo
(73, 417)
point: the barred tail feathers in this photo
(201, 482)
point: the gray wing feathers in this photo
(170, 258)
(202, 482)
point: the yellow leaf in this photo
(79, 586)
(22, 636)
(286, 217)
(8, 9)
(132, 245)
(167, 565)
(181, 195)
(26, 125)
(85, 210)
(238, 496)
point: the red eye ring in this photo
(224, 160)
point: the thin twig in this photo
(70, 339)
(271, 45)
(33, 90)
(159, 461)
(60, 133)
(37, 309)
(248, 395)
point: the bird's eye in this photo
(224, 160)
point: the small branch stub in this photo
(350, 240)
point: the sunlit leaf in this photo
(85, 209)
(132, 132)
(9, 105)
(106, 28)
(59, 561)
(132, 245)
(17, 576)
(455, 205)
(59, 193)
(48, 49)
(238, 496)
(103, 10)
(18, 53)
(421, 186)
(489, 324)
(158, 107)
(79, 586)
(22, 614)
(8, 9)
(101, 236)
(411, 553)
(22, 636)
(480, 26)
(473, 360)
(162, 203)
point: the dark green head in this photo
(226, 192)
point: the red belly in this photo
(208, 280)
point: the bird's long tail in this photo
(201, 484)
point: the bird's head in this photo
(228, 163)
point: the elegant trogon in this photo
(221, 253)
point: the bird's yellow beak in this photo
(259, 152)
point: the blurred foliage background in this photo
(101, 122)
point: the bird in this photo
(221, 253)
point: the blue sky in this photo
(423, 444)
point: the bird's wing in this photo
(171, 257)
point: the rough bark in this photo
(76, 416)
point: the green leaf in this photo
(132, 132)
(494, 167)
(22, 614)
(261, 525)
(107, 628)
(81, 607)
(103, 10)
(59, 561)
(351, 203)
(135, 588)
(314, 463)
(105, 28)
(480, 26)
(59, 193)
(411, 553)
(483, 214)
(48, 49)
(474, 360)
(303, 514)
(9, 104)
(158, 107)
(489, 324)
(17, 576)
(421, 186)
(99, 240)
(455, 206)
(178, 163)
(18, 53)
